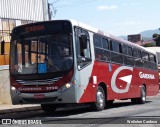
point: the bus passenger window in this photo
(116, 50)
(146, 60)
(153, 62)
(97, 41)
(115, 46)
(152, 58)
(105, 43)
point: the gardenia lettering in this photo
(146, 76)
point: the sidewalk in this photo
(4, 108)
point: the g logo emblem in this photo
(126, 79)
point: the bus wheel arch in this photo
(108, 103)
(104, 86)
(142, 98)
(101, 93)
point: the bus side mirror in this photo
(2, 48)
(83, 41)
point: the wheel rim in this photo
(100, 98)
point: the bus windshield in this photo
(41, 54)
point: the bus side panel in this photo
(121, 82)
(84, 84)
(152, 85)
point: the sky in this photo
(117, 17)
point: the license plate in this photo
(39, 96)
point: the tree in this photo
(148, 45)
(156, 38)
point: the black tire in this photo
(142, 98)
(109, 103)
(134, 100)
(99, 105)
(48, 108)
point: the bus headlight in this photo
(13, 88)
(66, 87)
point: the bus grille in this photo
(38, 82)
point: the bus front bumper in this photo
(56, 97)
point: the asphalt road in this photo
(122, 113)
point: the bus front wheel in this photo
(99, 105)
(48, 108)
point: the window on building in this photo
(7, 26)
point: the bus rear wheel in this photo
(48, 108)
(99, 105)
(142, 98)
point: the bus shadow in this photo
(64, 112)
(123, 104)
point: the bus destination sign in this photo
(34, 28)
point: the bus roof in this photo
(95, 30)
(156, 49)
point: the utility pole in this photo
(49, 12)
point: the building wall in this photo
(14, 13)
(6, 26)
(23, 9)
(5, 97)
(18, 12)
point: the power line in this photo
(55, 1)
(52, 12)
(76, 3)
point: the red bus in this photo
(61, 62)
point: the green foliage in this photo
(156, 38)
(148, 45)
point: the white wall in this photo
(34, 10)
(5, 97)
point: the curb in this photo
(24, 109)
